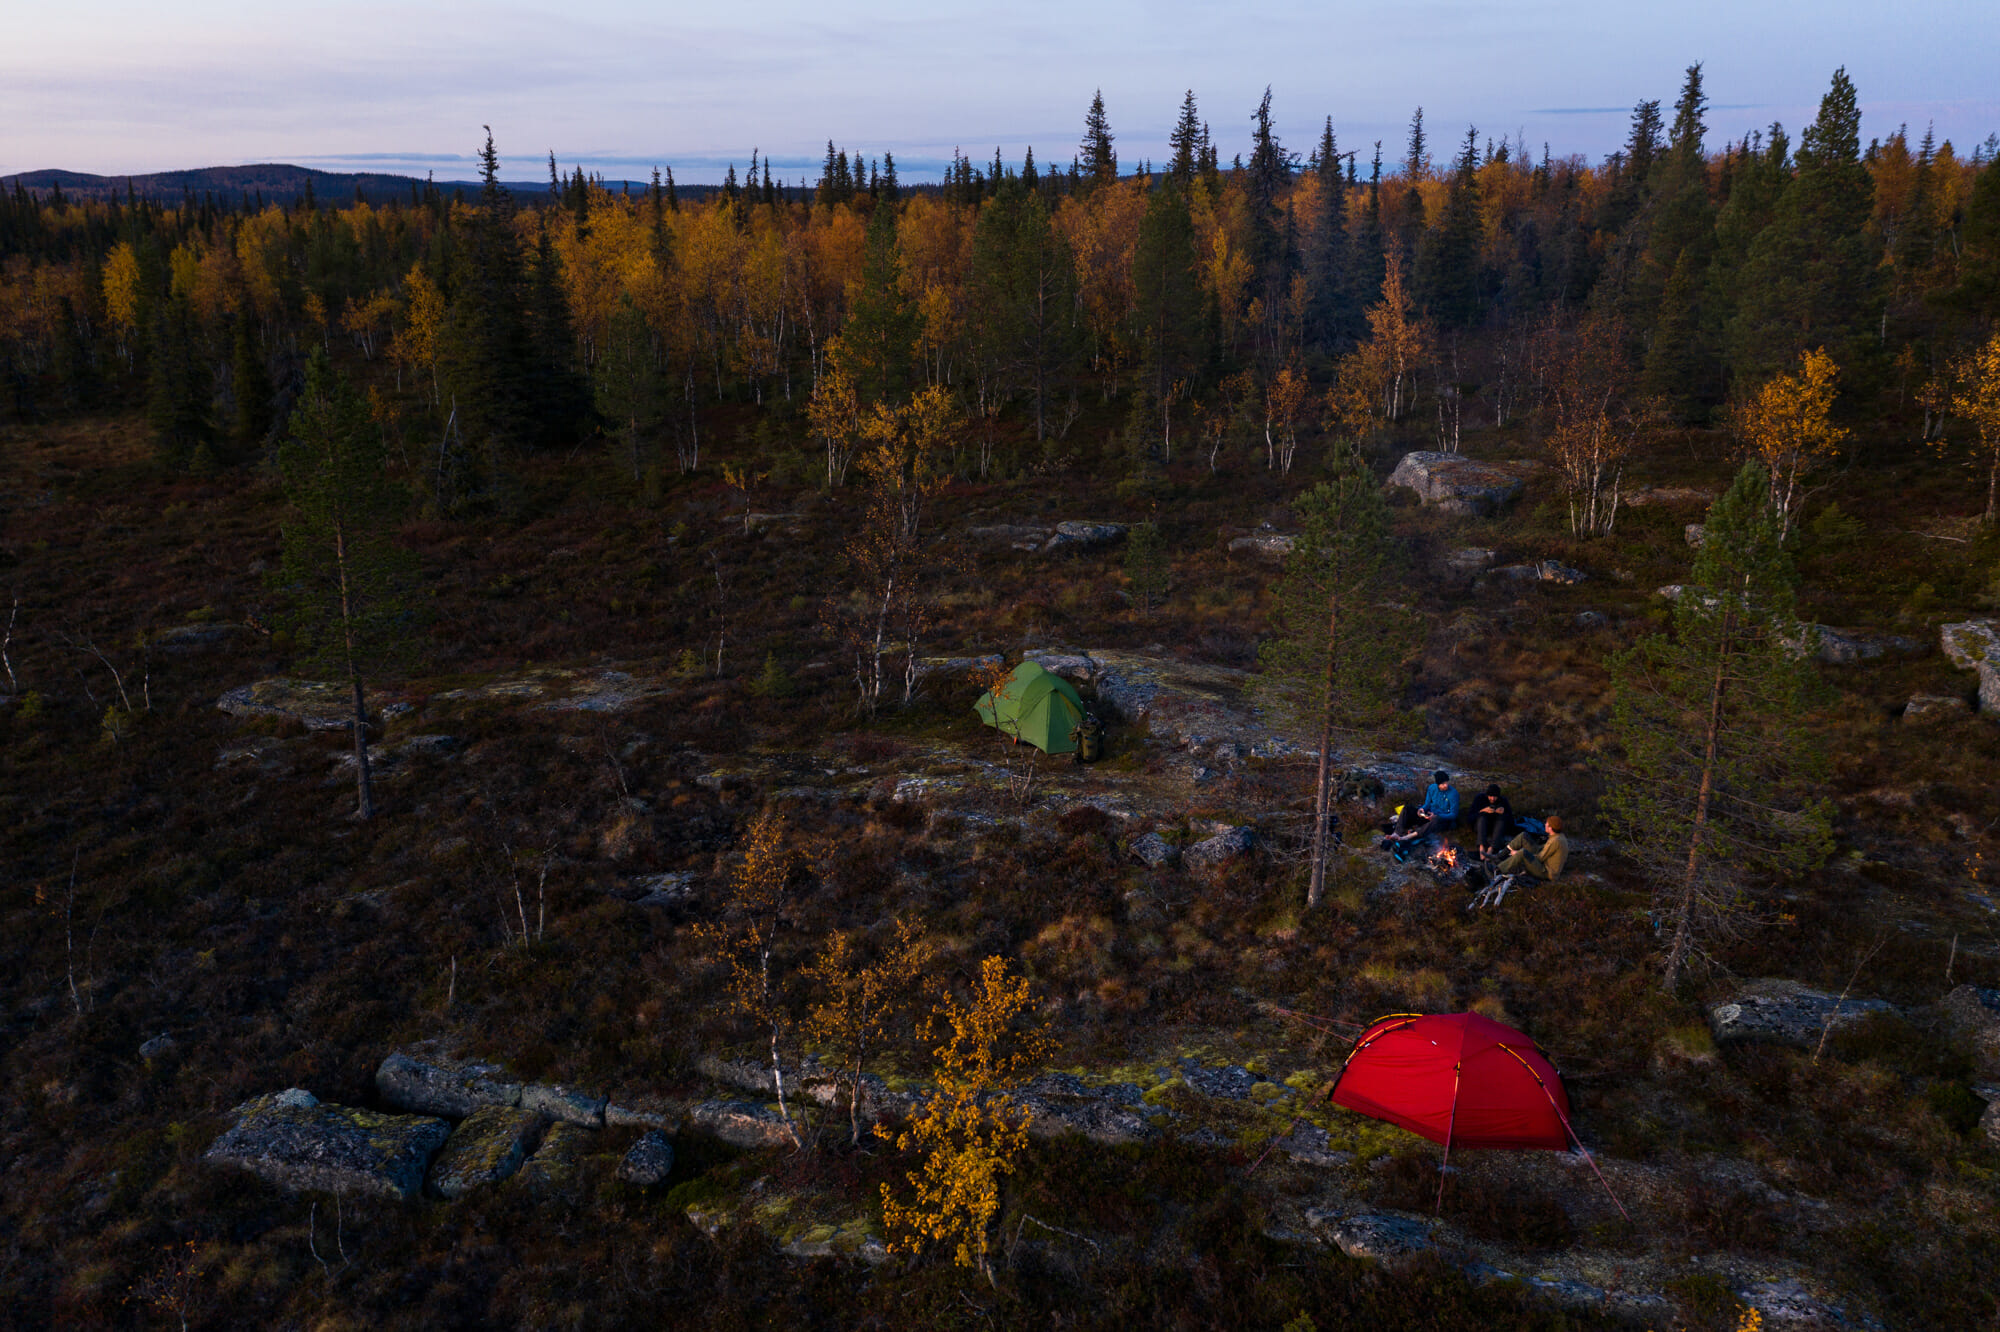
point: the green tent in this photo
(1034, 706)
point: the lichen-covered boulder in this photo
(441, 1087)
(1153, 850)
(486, 1148)
(1270, 546)
(565, 1103)
(553, 1167)
(1927, 709)
(1220, 849)
(650, 1160)
(294, 1141)
(1469, 560)
(1974, 645)
(1784, 1012)
(1457, 484)
(1075, 536)
(1381, 1237)
(742, 1124)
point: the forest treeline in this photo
(1236, 307)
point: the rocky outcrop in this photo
(1783, 1012)
(318, 705)
(488, 1146)
(1271, 547)
(553, 1168)
(1388, 1238)
(1972, 1017)
(292, 1140)
(1542, 571)
(1845, 647)
(1094, 1115)
(1080, 536)
(742, 1124)
(1457, 484)
(443, 1087)
(1220, 849)
(1974, 645)
(1152, 850)
(1927, 709)
(1469, 560)
(649, 1162)
(566, 1104)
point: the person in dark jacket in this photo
(1438, 813)
(1492, 822)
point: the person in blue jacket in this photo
(1438, 813)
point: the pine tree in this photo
(1720, 759)
(343, 574)
(1098, 161)
(1335, 664)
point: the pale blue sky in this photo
(118, 86)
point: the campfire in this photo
(1445, 860)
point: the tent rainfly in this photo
(1459, 1078)
(1035, 706)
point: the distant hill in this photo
(275, 182)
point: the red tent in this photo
(1457, 1078)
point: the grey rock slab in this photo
(294, 1141)
(442, 1087)
(1075, 667)
(1089, 1117)
(1271, 546)
(1926, 709)
(1647, 495)
(488, 1146)
(1077, 536)
(1153, 850)
(1457, 484)
(1307, 1144)
(1970, 642)
(189, 638)
(1541, 571)
(1784, 1012)
(1220, 849)
(1846, 647)
(660, 890)
(1469, 560)
(1382, 1237)
(319, 705)
(741, 1124)
(554, 1165)
(1972, 1015)
(1787, 1302)
(650, 1160)
(1229, 1082)
(565, 1103)
(636, 1115)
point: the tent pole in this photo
(1585, 1150)
(1451, 1125)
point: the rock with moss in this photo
(553, 1168)
(487, 1147)
(1388, 1238)
(1455, 484)
(1220, 849)
(442, 1087)
(1781, 1012)
(567, 1104)
(1974, 645)
(294, 1141)
(650, 1160)
(742, 1124)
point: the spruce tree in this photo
(487, 352)
(1329, 318)
(560, 397)
(1448, 266)
(1023, 315)
(346, 581)
(882, 325)
(1335, 665)
(177, 390)
(1720, 760)
(251, 385)
(1167, 297)
(1099, 163)
(1186, 142)
(1811, 278)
